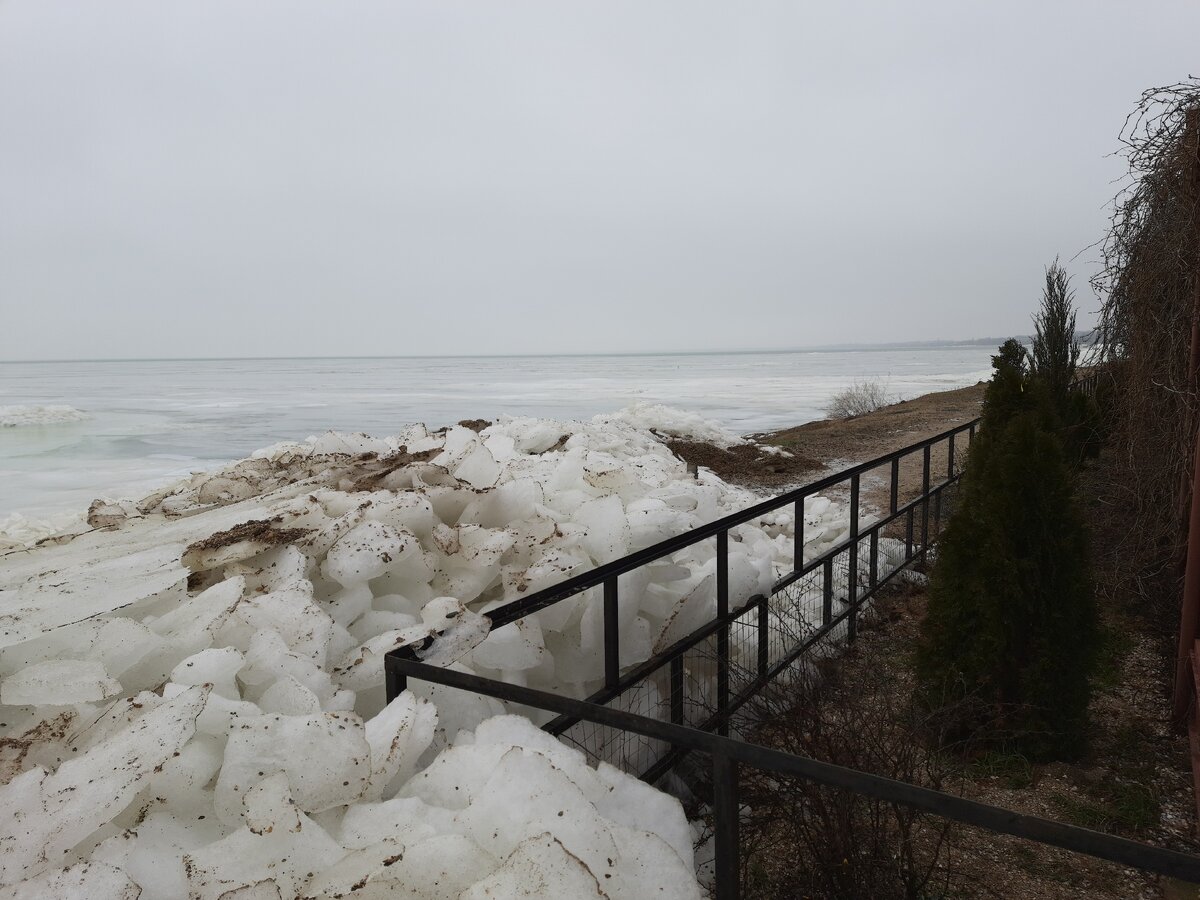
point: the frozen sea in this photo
(149, 422)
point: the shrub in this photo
(860, 398)
(1055, 350)
(801, 839)
(1011, 621)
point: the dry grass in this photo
(860, 398)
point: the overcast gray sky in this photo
(233, 178)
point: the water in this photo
(152, 421)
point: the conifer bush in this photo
(1010, 635)
(1055, 351)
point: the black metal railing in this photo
(727, 755)
(706, 676)
(646, 717)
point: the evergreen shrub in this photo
(1010, 635)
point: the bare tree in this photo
(1147, 287)
(802, 839)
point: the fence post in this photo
(677, 689)
(852, 563)
(723, 633)
(925, 503)
(395, 682)
(950, 459)
(874, 576)
(827, 600)
(798, 537)
(895, 493)
(725, 818)
(764, 636)
(612, 651)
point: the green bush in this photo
(1010, 635)
(1055, 351)
(1082, 427)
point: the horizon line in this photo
(812, 348)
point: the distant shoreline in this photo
(819, 348)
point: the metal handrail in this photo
(728, 752)
(518, 609)
(711, 737)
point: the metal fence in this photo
(647, 717)
(703, 679)
(728, 754)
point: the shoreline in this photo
(827, 445)
(804, 453)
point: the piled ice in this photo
(192, 690)
(672, 422)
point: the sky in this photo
(298, 178)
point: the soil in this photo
(748, 464)
(840, 443)
(1135, 780)
(260, 530)
(817, 448)
(876, 433)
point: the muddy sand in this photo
(829, 445)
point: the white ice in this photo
(202, 709)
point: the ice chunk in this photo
(368, 551)
(293, 615)
(636, 804)
(58, 682)
(53, 813)
(516, 646)
(441, 866)
(408, 511)
(548, 800)
(608, 534)
(478, 468)
(244, 859)
(82, 881)
(408, 819)
(215, 666)
(326, 759)
(121, 643)
(444, 866)
(362, 667)
(349, 603)
(182, 779)
(456, 629)
(541, 868)
(270, 807)
(363, 873)
(85, 589)
(152, 855)
(289, 697)
(397, 737)
(267, 889)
